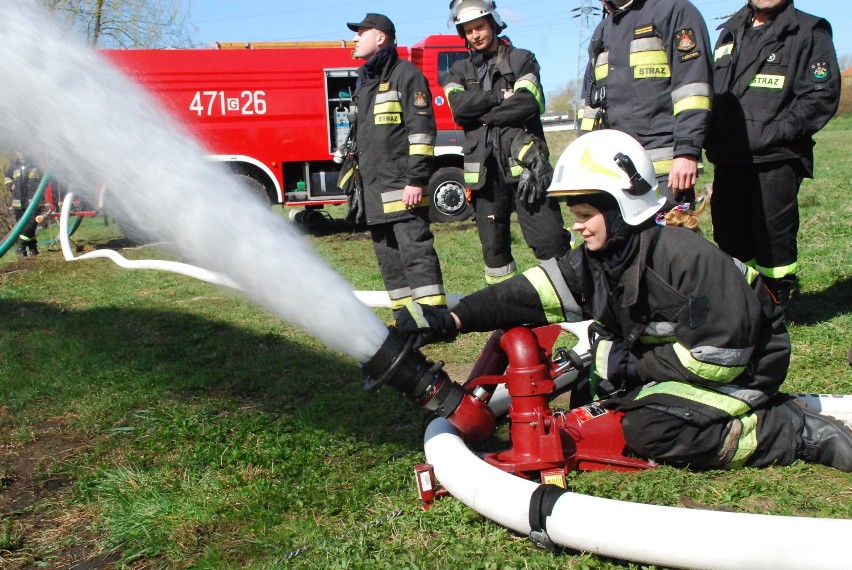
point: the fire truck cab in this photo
(275, 112)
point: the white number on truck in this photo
(219, 104)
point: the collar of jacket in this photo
(784, 21)
(380, 64)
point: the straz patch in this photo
(384, 87)
(689, 56)
(685, 40)
(420, 100)
(767, 81)
(820, 72)
(650, 71)
(389, 119)
(643, 31)
(588, 412)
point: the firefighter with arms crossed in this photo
(688, 343)
(495, 95)
(649, 75)
(395, 146)
(777, 82)
(22, 179)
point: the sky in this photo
(545, 27)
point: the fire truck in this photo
(276, 112)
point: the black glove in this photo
(613, 365)
(537, 174)
(355, 213)
(431, 324)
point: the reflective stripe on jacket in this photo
(652, 65)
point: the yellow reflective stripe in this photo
(399, 205)
(747, 443)
(722, 51)
(16, 203)
(778, 272)
(713, 372)
(727, 404)
(546, 293)
(471, 177)
(650, 340)
(587, 124)
(433, 300)
(766, 81)
(601, 71)
(389, 107)
(524, 150)
(424, 149)
(750, 274)
(655, 57)
(346, 177)
(694, 103)
(516, 170)
(532, 88)
(662, 166)
(399, 303)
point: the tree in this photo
(128, 23)
(563, 99)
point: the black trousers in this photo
(405, 250)
(542, 226)
(654, 433)
(755, 212)
(28, 234)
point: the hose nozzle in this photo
(425, 382)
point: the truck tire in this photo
(255, 187)
(448, 198)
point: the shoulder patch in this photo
(642, 31)
(420, 100)
(685, 39)
(688, 56)
(774, 58)
(820, 72)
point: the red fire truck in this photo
(275, 112)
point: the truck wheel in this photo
(255, 187)
(448, 200)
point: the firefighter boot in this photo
(825, 440)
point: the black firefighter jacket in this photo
(651, 66)
(22, 179)
(474, 90)
(395, 136)
(703, 328)
(772, 94)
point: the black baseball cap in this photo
(377, 21)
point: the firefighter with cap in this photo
(22, 179)
(495, 95)
(649, 75)
(687, 341)
(777, 83)
(394, 134)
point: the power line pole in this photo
(586, 13)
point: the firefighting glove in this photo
(614, 365)
(355, 213)
(430, 324)
(531, 153)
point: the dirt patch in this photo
(38, 525)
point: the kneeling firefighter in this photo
(688, 342)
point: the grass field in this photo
(151, 421)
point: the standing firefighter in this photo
(495, 95)
(395, 147)
(777, 82)
(22, 180)
(688, 343)
(649, 75)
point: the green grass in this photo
(152, 421)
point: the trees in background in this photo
(128, 23)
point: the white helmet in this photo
(612, 162)
(463, 11)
